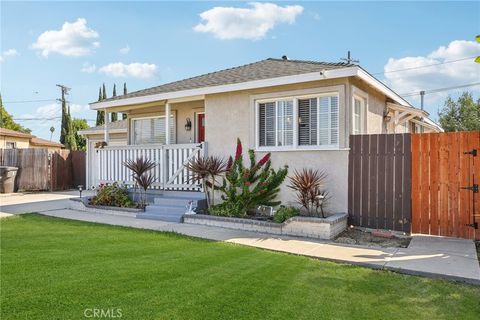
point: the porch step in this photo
(174, 201)
(191, 195)
(164, 213)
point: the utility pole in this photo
(349, 58)
(64, 127)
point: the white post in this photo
(167, 122)
(105, 127)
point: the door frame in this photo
(195, 124)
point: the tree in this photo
(80, 124)
(64, 128)
(124, 115)
(70, 142)
(104, 95)
(7, 122)
(114, 94)
(460, 115)
(100, 114)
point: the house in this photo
(10, 139)
(301, 111)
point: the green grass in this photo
(55, 269)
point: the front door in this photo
(201, 127)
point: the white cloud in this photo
(74, 39)
(135, 70)
(125, 50)
(246, 23)
(88, 68)
(438, 76)
(55, 110)
(8, 54)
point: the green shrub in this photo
(228, 209)
(244, 188)
(285, 213)
(112, 195)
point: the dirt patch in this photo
(359, 237)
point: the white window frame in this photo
(295, 146)
(132, 130)
(13, 143)
(358, 94)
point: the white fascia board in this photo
(100, 131)
(380, 86)
(306, 77)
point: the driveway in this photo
(438, 257)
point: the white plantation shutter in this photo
(307, 128)
(152, 130)
(276, 123)
(357, 116)
(285, 123)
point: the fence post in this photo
(164, 162)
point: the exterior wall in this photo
(181, 111)
(232, 115)
(20, 142)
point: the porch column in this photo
(168, 111)
(105, 127)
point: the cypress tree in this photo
(70, 141)
(64, 126)
(104, 95)
(100, 114)
(124, 115)
(114, 94)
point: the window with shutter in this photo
(357, 113)
(307, 123)
(152, 130)
(275, 123)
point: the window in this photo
(10, 145)
(358, 107)
(152, 130)
(316, 122)
(276, 123)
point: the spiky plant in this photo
(308, 185)
(139, 168)
(144, 181)
(204, 168)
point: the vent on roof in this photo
(285, 58)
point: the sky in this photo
(144, 44)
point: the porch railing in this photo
(170, 172)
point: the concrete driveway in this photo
(437, 257)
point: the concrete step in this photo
(167, 218)
(166, 209)
(191, 195)
(174, 201)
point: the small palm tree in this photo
(140, 172)
(204, 168)
(308, 185)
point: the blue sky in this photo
(165, 41)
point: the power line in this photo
(440, 89)
(44, 119)
(28, 101)
(424, 66)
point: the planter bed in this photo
(309, 227)
(81, 204)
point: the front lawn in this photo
(56, 269)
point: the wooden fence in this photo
(40, 170)
(33, 167)
(379, 181)
(441, 167)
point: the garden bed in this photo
(82, 204)
(309, 227)
(365, 238)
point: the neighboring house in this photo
(301, 111)
(10, 139)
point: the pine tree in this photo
(124, 115)
(114, 94)
(100, 114)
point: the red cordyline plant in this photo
(308, 185)
(141, 175)
(206, 170)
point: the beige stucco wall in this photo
(20, 142)
(181, 112)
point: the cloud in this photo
(125, 50)
(438, 76)
(88, 68)
(134, 70)
(75, 39)
(8, 54)
(55, 110)
(246, 23)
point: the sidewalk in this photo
(437, 257)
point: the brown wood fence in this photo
(39, 170)
(440, 168)
(379, 181)
(33, 164)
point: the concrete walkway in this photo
(437, 257)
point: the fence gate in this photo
(67, 169)
(445, 179)
(379, 181)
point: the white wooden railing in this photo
(170, 172)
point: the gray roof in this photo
(120, 125)
(264, 69)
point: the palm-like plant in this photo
(308, 185)
(205, 168)
(140, 172)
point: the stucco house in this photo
(10, 139)
(301, 111)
